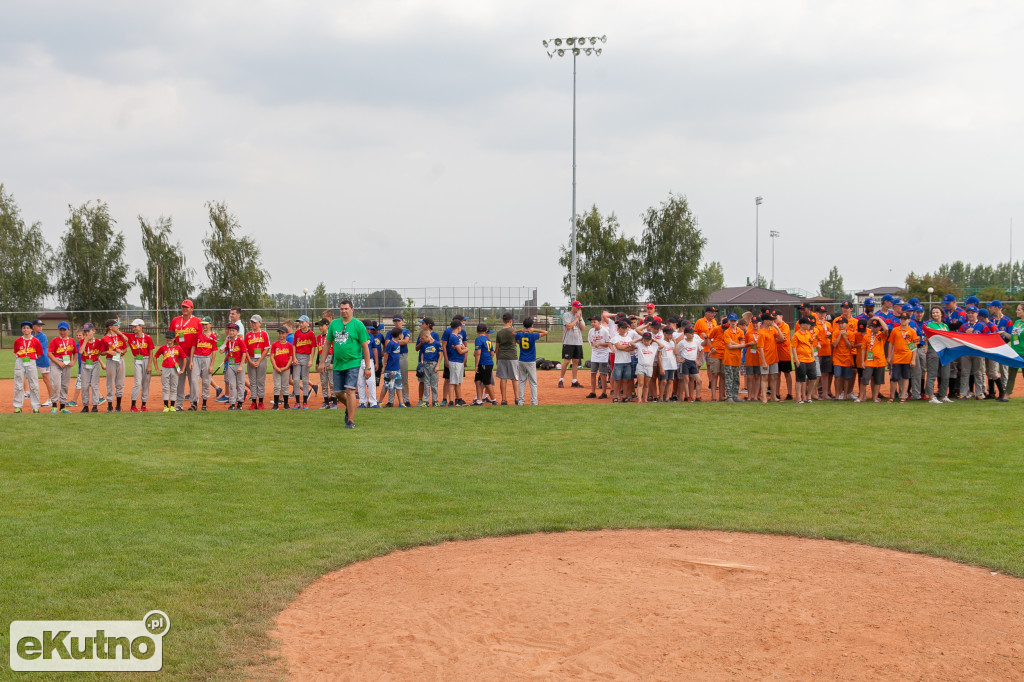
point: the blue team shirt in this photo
(431, 352)
(406, 334)
(393, 351)
(527, 346)
(1003, 324)
(950, 318)
(44, 359)
(484, 345)
(978, 327)
(291, 338)
(376, 348)
(452, 354)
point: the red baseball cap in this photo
(577, 304)
(650, 306)
(187, 303)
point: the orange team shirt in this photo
(874, 348)
(852, 326)
(257, 344)
(27, 349)
(768, 342)
(702, 328)
(732, 357)
(784, 345)
(169, 355)
(824, 332)
(281, 353)
(842, 355)
(63, 348)
(904, 342)
(753, 360)
(205, 345)
(717, 339)
(804, 343)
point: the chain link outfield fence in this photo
(476, 304)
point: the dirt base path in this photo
(547, 390)
(656, 604)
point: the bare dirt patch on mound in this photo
(655, 604)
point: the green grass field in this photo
(220, 519)
(550, 351)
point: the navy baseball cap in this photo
(973, 299)
(869, 302)
(948, 298)
(907, 308)
(846, 304)
(995, 304)
(914, 301)
(972, 309)
(918, 308)
(169, 334)
(26, 323)
(37, 321)
(396, 318)
(982, 313)
(887, 297)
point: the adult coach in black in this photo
(572, 343)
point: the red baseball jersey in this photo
(28, 349)
(257, 344)
(90, 351)
(234, 350)
(141, 346)
(169, 355)
(63, 348)
(205, 345)
(113, 344)
(281, 351)
(186, 331)
(305, 342)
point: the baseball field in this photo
(222, 520)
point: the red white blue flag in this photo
(952, 345)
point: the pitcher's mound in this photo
(656, 604)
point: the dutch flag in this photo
(952, 345)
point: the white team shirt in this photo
(624, 356)
(689, 350)
(645, 354)
(599, 335)
(668, 355)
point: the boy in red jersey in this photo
(92, 361)
(114, 346)
(322, 354)
(141, 346)
(283, 357)
(235, 359)
(186, 328)
(62, 352)
(27, 350)
(172, 366)
(203, 356)
(304, 343)
(257, 345)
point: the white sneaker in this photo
(947, 399)
(841, 396)
(935, 401)
(856, 399)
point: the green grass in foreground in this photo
(548, 351)
(221, 519)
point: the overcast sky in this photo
(407, 143)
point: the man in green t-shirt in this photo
(350, 342)
(507, 356)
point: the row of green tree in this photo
(1001, 281)
(87, 269)
(664, 265)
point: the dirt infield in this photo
(655, 604)
(547, 384)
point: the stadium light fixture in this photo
(576, 48)
(757, 245)
(774, 234)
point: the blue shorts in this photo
(622, 372)
(842, 372)
(345, 379)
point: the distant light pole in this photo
(305, 300)
(774, 234)
(757, 244)
(931, 290)
(577, 46)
